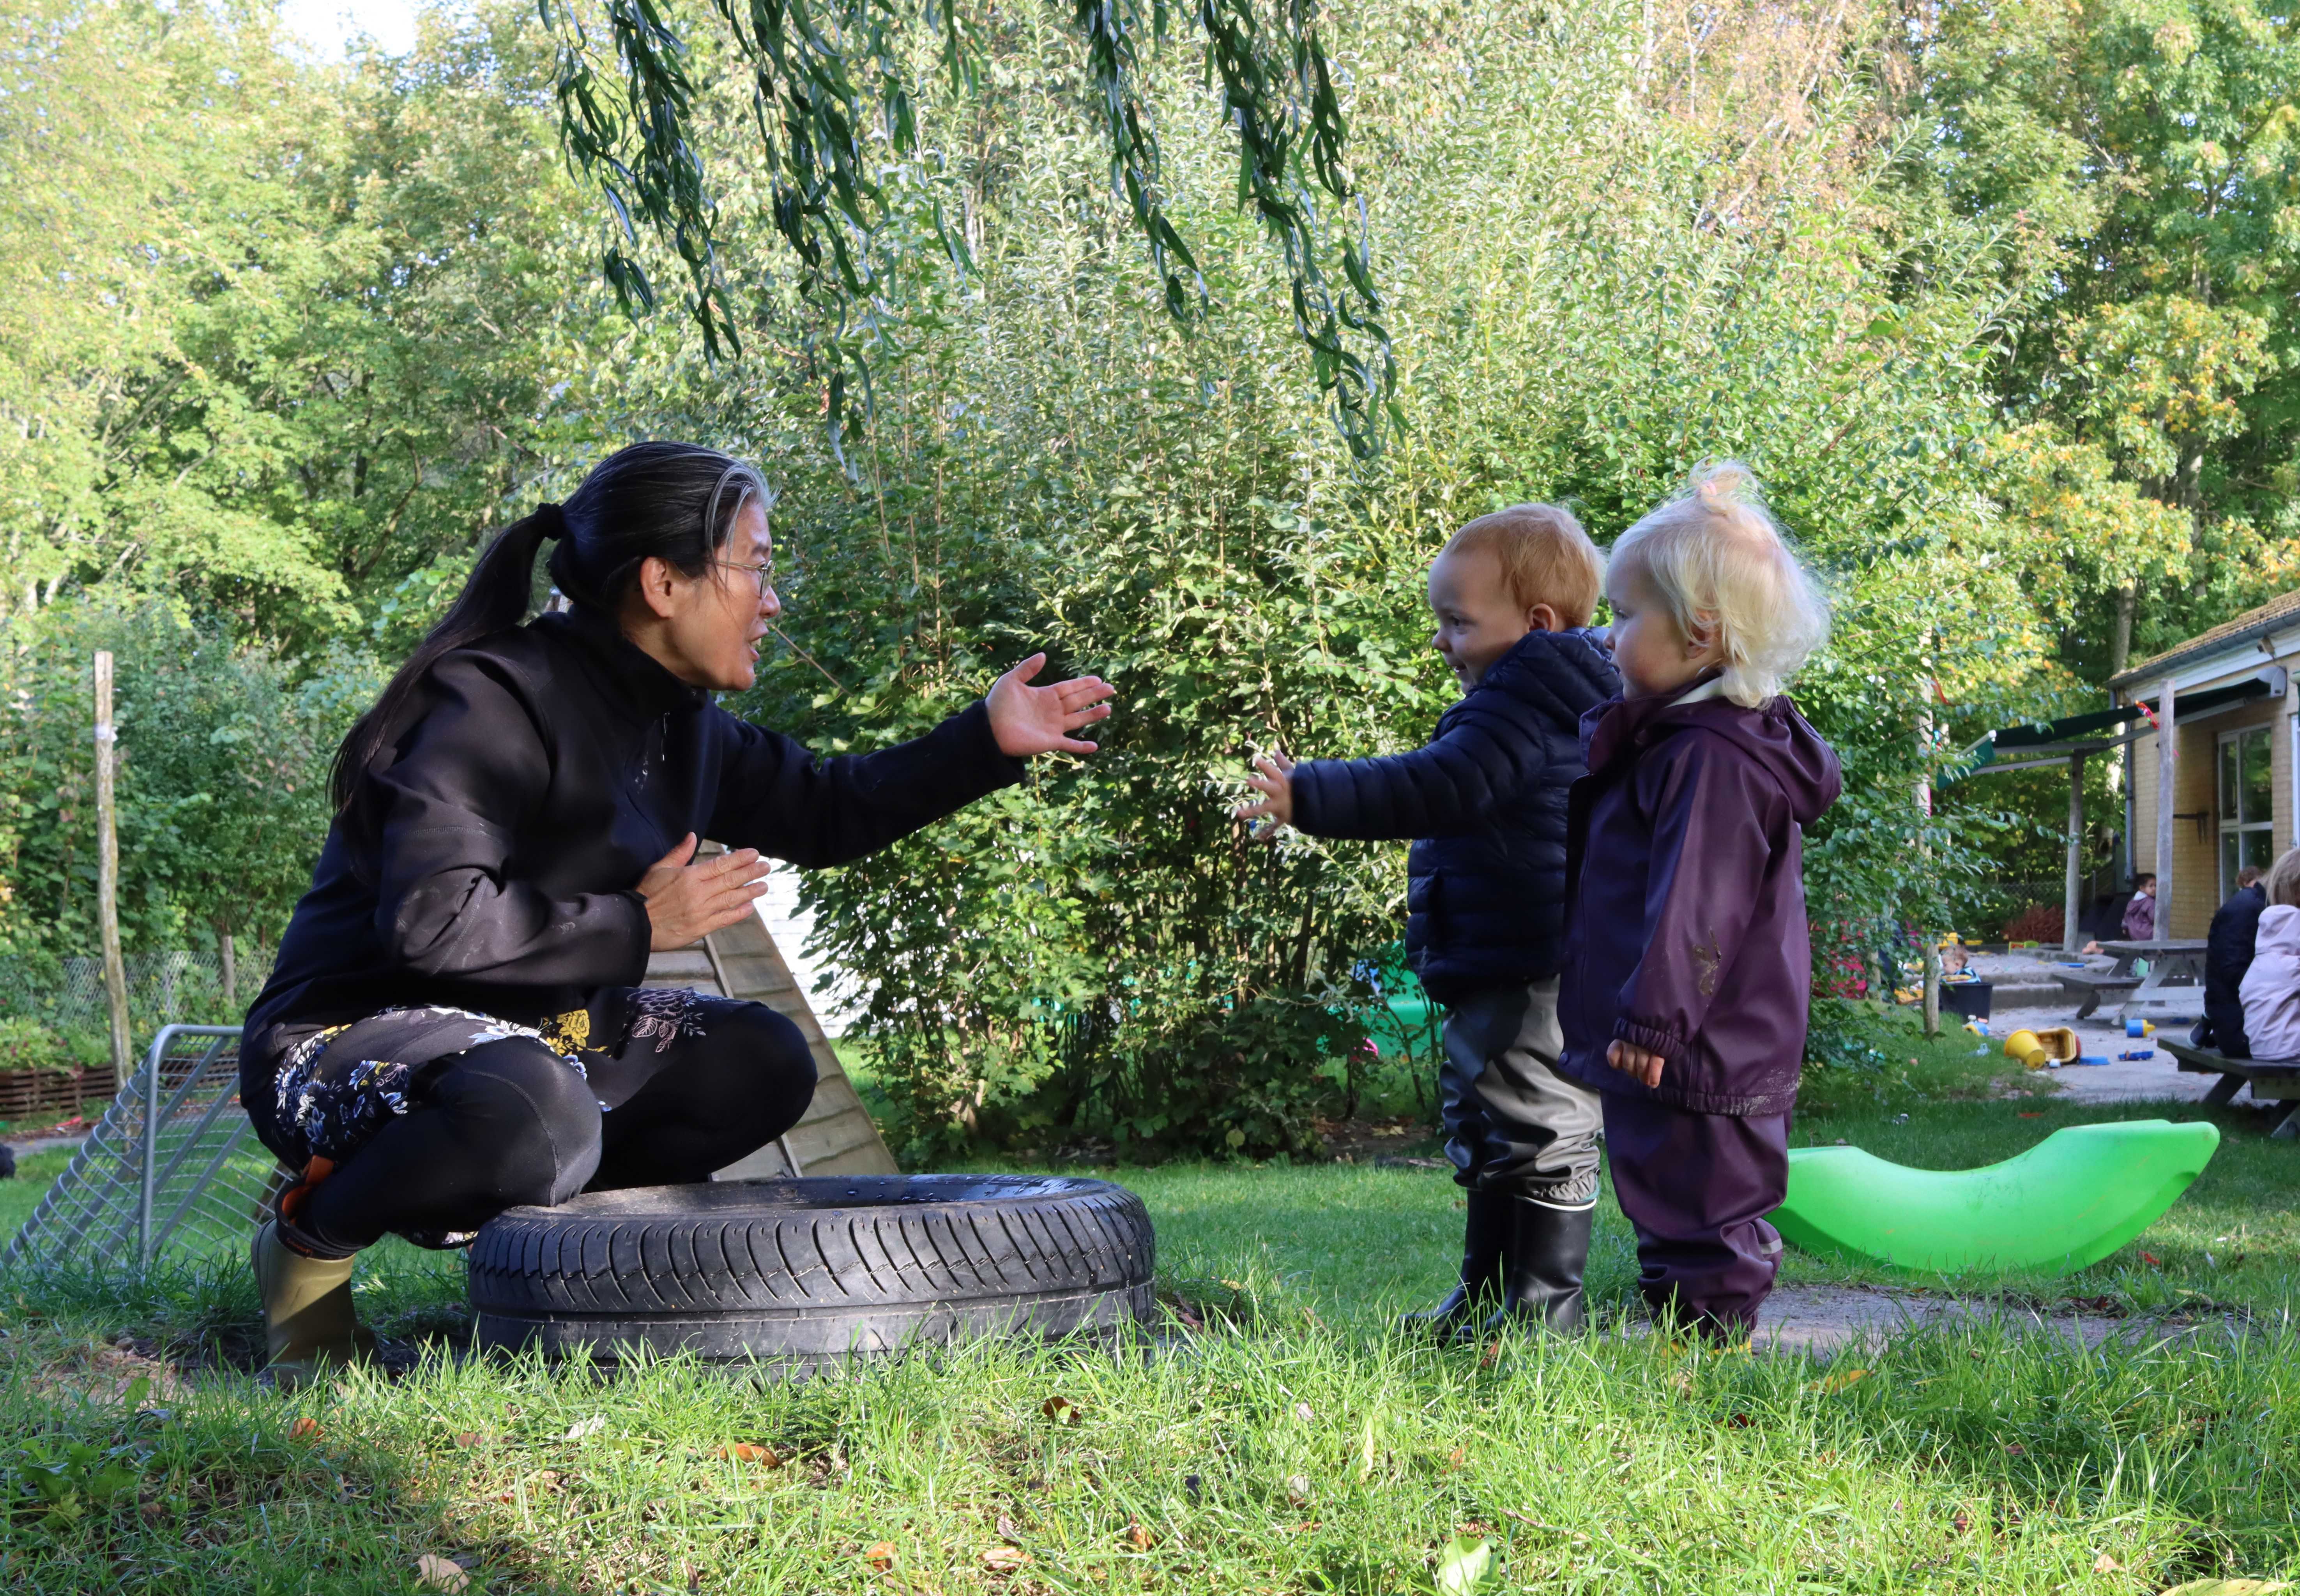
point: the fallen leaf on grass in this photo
(1297, 1488)
(1004, 1560)
(435, 1573)
(1490, 1356)
(2151, 1259)
(1463, 1565)
(304, 1429)
(583, 1429)
(1060, 1410)
(1738, 1421)
(471, 1438)
(1139, 1538)
(1961, 1521)
(1306, 1413)
(2231, 1587)
(881, 1555)
(1457, 1457)
(1838, 1381)
(2105, 1564)
(2013, 1449)
(750, 1451)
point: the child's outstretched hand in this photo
(1636, 1062)
(1028, 721)
(1273, 778)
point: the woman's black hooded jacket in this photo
(490, 858)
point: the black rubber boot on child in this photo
(1543, 1258)
(1483, 1233)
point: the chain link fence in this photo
(183, 987)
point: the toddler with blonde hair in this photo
(1689, 975)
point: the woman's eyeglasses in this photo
(764, 572)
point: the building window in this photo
(2247, 804)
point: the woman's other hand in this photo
(1272, 777)
(1028, 721)
(687, 901)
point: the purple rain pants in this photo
(1697, 1187)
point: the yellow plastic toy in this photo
(2040, 1050)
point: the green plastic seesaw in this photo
(2066, 1203)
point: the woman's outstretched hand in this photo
(687, 901)
(1028, 721)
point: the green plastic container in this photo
(2066, 1203)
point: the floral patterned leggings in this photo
(428, 1122)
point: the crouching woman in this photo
(455, 1024)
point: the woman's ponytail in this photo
(672, 502)
(496, 596)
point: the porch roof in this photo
(2277, 614)
(2056, 742)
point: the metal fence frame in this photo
(154, 1170)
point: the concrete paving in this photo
(1834, 1318)
(31, 1145)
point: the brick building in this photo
(2234, 721)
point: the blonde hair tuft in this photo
(1716, 558)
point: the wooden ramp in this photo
(836, 1136)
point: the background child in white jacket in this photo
(2271, 987)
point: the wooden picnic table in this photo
(2272, 1080)
(2174, 985)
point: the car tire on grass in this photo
(804, 1272)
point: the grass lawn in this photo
(1292, 1447)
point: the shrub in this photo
(28, 1043)
(1852, 1033)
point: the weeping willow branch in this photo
(827, 80)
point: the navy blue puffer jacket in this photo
(1485, 802)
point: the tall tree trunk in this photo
(2119, 637)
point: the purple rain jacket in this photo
(1685, 885)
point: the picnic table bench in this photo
(2271, 1080)
(2173, 988)
(2090, 984)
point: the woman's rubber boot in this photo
(1543, 1260)
(308, 1318)
(1484, 1233)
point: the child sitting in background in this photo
(1484, 801)
(1689, 982)
(2270, 989)
(2140, 913)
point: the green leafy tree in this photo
(2146, 155)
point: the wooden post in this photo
(107, 868)
(2072, 939)
(2167, 756)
